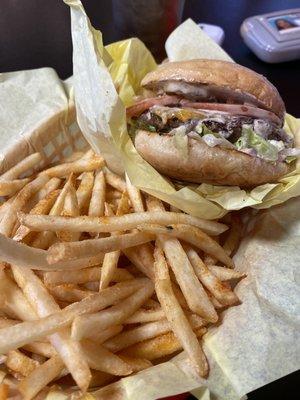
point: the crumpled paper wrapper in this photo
(199, 44)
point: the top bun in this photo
(221, 74)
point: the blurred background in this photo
(36, 33)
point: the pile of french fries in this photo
(99, 280)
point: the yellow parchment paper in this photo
(101, 116)
(253, 345)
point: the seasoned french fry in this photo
(117, 223)
(50, 186)
(23, 166)
(76, 167)
(83, 276)
(69, 293)
(40, 377)
(143, 332)
(96, 208)
(186, 278)
(92, 247)
(44, 239)
(101, 335)
(101, 359)
(220, 291)
(133, 254)
(84, 191)
(44, 305)
(157, 347)
(192, 235)
(111, 259)
(42, 207)
(84, 326)
(21, 334)
(16, 304)
(114, 180)
(225, 274)
(10, 187)
(20, 254)
(135, 196)
(19, 362)
(176, 317)
(142, 316)
(41, 348)
(71, 209)
(10, 217)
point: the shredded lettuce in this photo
(264, 149)
(290, 159)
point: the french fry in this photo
(220, 291)
(225, 274)
(21, 334)
(4, 391)
(157, 347)
(84, 326)
(114, 180)
(83, 276)
(20, 254)
(142, 316)
(71, 209)
(133, 254)
(96, 208)
(84, 191)
(50, 186)
(10, 187)
(10, 217)
(101, 359)
(69, 293)
(135, 196)
(117, 223)
(191, 287)
(44, 305)
(192, 235)
(176, 317)
(23, 166)
(42, 207)
(16, 304)
(92, 247)
(110, 392)
(19, 362)
(111, 259)
(136, 364)
(44, 239)
(100, 379)
(41, 348)
(40, 377)
(76, 167)
(101, 335)
(143, 332)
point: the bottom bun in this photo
(206, 164)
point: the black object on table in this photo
(36, 33)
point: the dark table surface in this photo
(36, 33)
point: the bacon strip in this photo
(143, 105)
(234, 109)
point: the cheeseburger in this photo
(229, 118)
